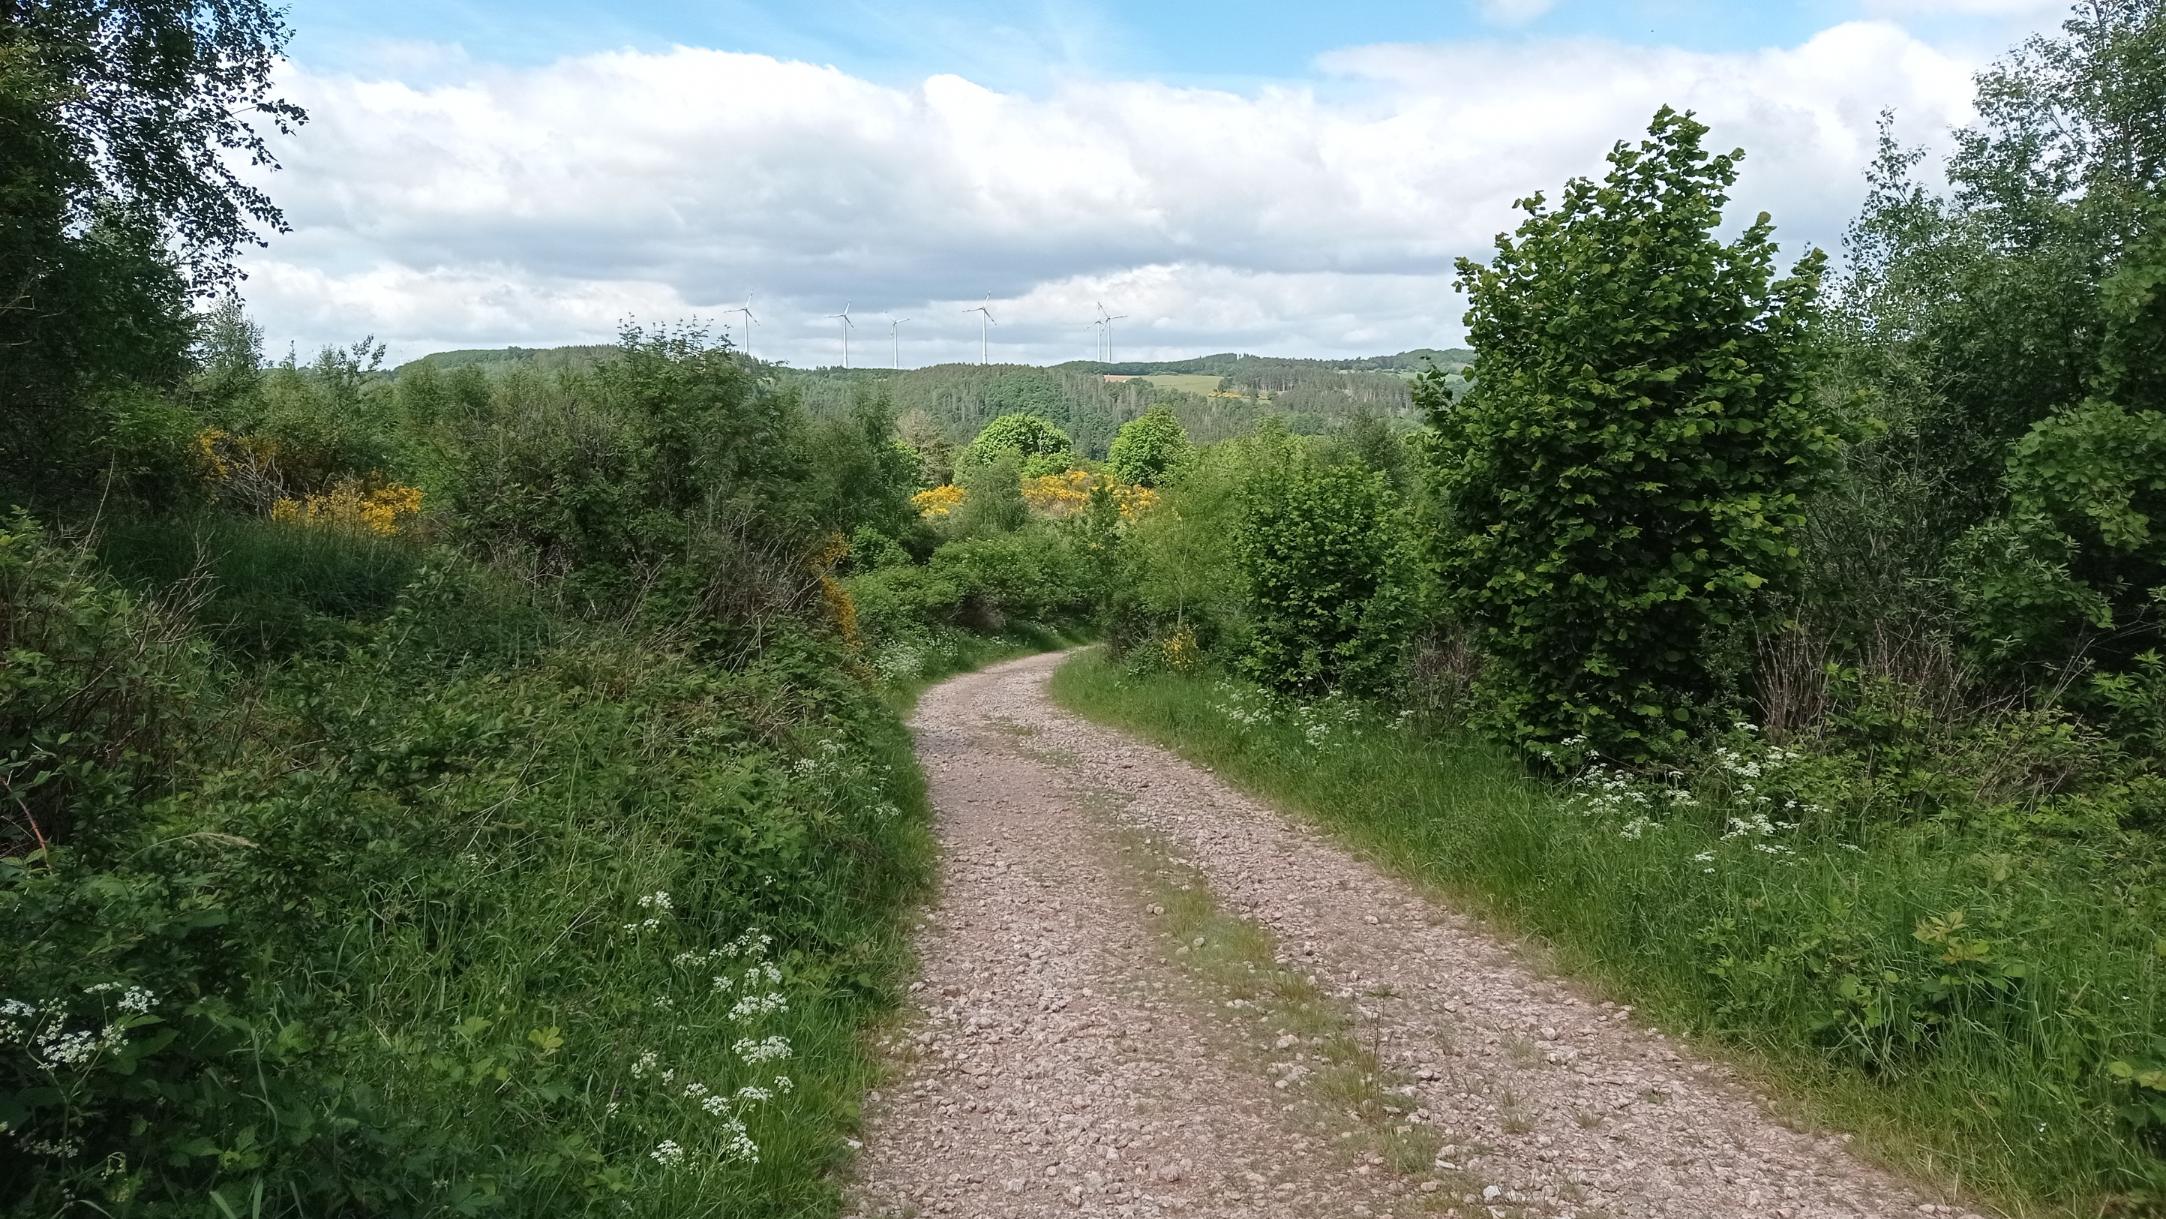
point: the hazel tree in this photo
(1625, 475)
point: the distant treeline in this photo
(954, 402)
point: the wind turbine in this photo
(1099, 339)
(1108, 319)
(846, 324)
(750, 322)
(985, 318)
(894, 325)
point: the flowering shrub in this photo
(383, 510)
(1067, 494)
(223, 456)
(1179, 651)
(936, 503)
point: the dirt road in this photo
(1146, 994)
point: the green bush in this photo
(1039, 445)
(1329, 575)
(2078, 565)
(267, 589)
(1149, 447)
(1177, 572)
(1035, 576)
(992, 497)
(1625, 473)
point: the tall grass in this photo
(1810, 961)
(271, 589)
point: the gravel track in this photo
(1069, 1055)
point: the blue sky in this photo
(1292, 179)
(1013, 44)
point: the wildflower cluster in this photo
(44, 1032)
(839, 778)
(656, 904)
(899, 660)
(1246, 705)
(754, 984)
(351, 506)
(1747, 787)
(1323, 723)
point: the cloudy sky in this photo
(1232, 175)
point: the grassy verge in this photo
(1804, 959)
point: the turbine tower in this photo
(1107, 319)
(985, 318)
(846, 324)
(894, 325)
(1098, 340)
(750, 322)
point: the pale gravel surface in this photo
(1063, 1059)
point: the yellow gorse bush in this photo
(938, 502)
(1181, 651)
(841, 607)
(1065, 494)
(223, 454)
(382, 510)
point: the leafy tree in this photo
(2078, 565)
(1039, 446)
(121, 123)
(1148, 447)
(1329, 580)
(859, 477)
(1625, 473)
(2076, 568)
(1369, 441)
(228, 351)
(1973, 315)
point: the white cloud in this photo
(494, 205)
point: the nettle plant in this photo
(1625, 475)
